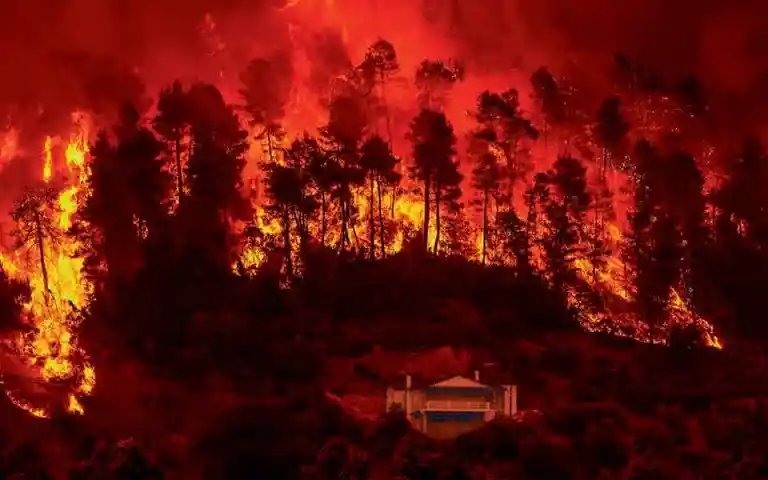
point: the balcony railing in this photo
(457, 406)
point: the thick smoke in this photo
(59, 54)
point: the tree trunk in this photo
(303, 234)
(485, 223)
(344, 233)
(41, 250)
(394, 199)
(603, 164)
(323, 208)
(386, 109)
(372, 220)
(437, 216)
(381, 221)
(287, 244)
(352, 226)
(269, 145)
(179, 172)
(425, 227)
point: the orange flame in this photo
(52, 350)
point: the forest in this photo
(188, 281)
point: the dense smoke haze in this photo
(61, 56)
(720, 41)
(58, 57)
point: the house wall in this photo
(447, 429)
(459, 395)
(448, 424)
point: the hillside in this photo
(590, 402)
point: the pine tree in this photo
(266, 90)
(434, 165)
(380, 167)
(172, 123)
(214, 173)
(378, 66)
(35, 217)
(343, 136)
(550, 98)
(288, 187)
(566, 206)
(610, 131)
(500, 114)
(434, 79)
(486, 179)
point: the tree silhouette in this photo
(653, 247)
(610, 131)
(379, 165)
(691, 95)
(344, 135)
(486, 178)
(603, 215)
(550, 99)
(105, 223)
(739, 260)
(214, 171)
(35, 215)
(516, 241)
(684, 199)
(499, 114)
(323, 170)
(434, 79)
(454, 238)
(288, 189)
(266, 90)
(378, 66)
(434, 166)
(172, 123)
(127, 201)
(566, 210)
(139, 154)
(329, 59)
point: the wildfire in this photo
(58, 290)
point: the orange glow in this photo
(52, 349)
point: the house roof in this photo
(458, 382)
(454, 381)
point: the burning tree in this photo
(291, 201)
(379, 164)
(266, 90)
(343, 136)
(172, 123)
(550, 98)
(35, 215)
(501, 119)
(610, 132)
(378, 66)
(434, 164)
(486, 178)
(434, 79)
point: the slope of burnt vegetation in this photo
(267, 387)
